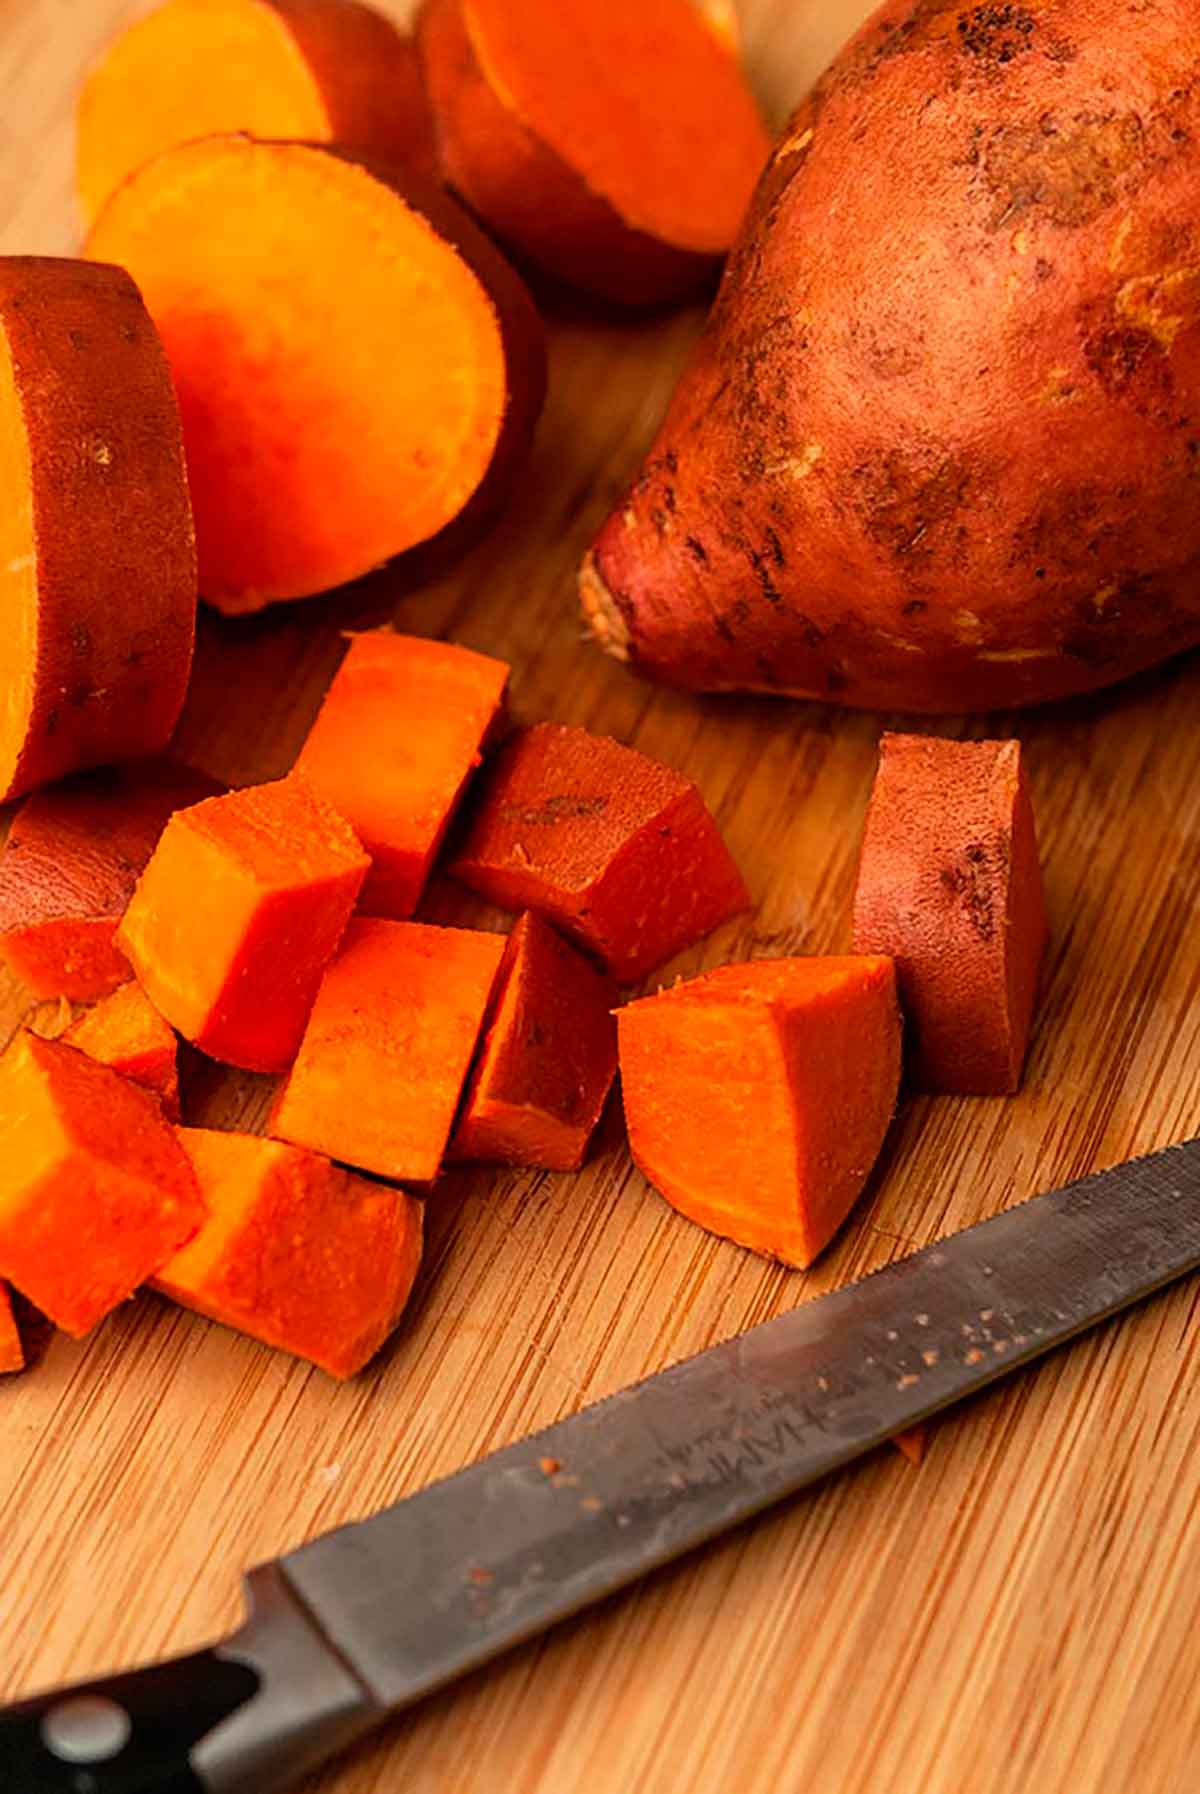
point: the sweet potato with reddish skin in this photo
(237, 916)
(125, 1031)
(295, 1251)
(357, 366)
(615, 145)
(317, 70)
(758, 1096)
(97, 555)
(936, 450)
(617, 850)
(382, 1066)
(12, 1352)
(950, 885)
(68, 869)
(425, 709)
(95, 1191)
(548, 1057)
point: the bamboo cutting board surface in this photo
(1020, 1613)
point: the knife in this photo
(371, 1618)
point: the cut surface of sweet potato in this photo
(758, 1096)
(12, 1352)
(295, 1251)
(125, 1031)
(348, 350)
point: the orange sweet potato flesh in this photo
(758, 1096)
(68, 869)
(356, 364)
(95, 1191)
(949, 884)
(97, 556)
(617, 850)
(237, 916)
(615, 146)
(313, 70)
(912, 1443)
(425, 709)
(126, 1032)
(381, 1070)
(12, 1352)
(296, 1252)
(934, 451)
(548, 1057)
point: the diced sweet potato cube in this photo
(548, 1057)
(295, 1251)
(69, 867)
(950, 886)
(126, 1032)
(381, 1070)
(615, 849)
(237, 915)
(758, 1096)
(425, 709)
(12, 1352)
(96, 1192)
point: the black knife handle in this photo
(249, 1716)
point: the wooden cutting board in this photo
(1020, 1613)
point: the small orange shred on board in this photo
(388, 1047)
(548, 1057)
(96, 1192)
(296, 1252)
(616, 145)
(357, 365)
(912, 1443)
(69, 867)
(950, 885)
(125, 1031)
(425, 708)
(237, 915)
(12, 1352)
(758, 1096)
(316, 71)
(617, 850)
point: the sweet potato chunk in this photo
(949, 884)
(126, 1032)
(356, 363)
(12, 1352)
(69, 867)
(95, 1191)
(548, 1058)
(97, 555)
(615, 849)
(615, 143)
(317, 71)
(758, 1096)
(237, 915)
(379, 1075)
(424, 708)
(295, 1251)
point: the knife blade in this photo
(375, 1616)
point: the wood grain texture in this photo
(1019, 1613)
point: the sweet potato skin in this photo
(950, 885)
(933, 452)
(114, 558)
(526, 193)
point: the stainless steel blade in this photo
(470, 1566)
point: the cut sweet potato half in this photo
(950, 885)
(353, 359)
(69, 867)
(615, 145)
(97, 558)
(758, 1096)
(295, 1251)
(321, 71)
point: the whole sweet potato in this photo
(939, 448)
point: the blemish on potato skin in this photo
(796, 467)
